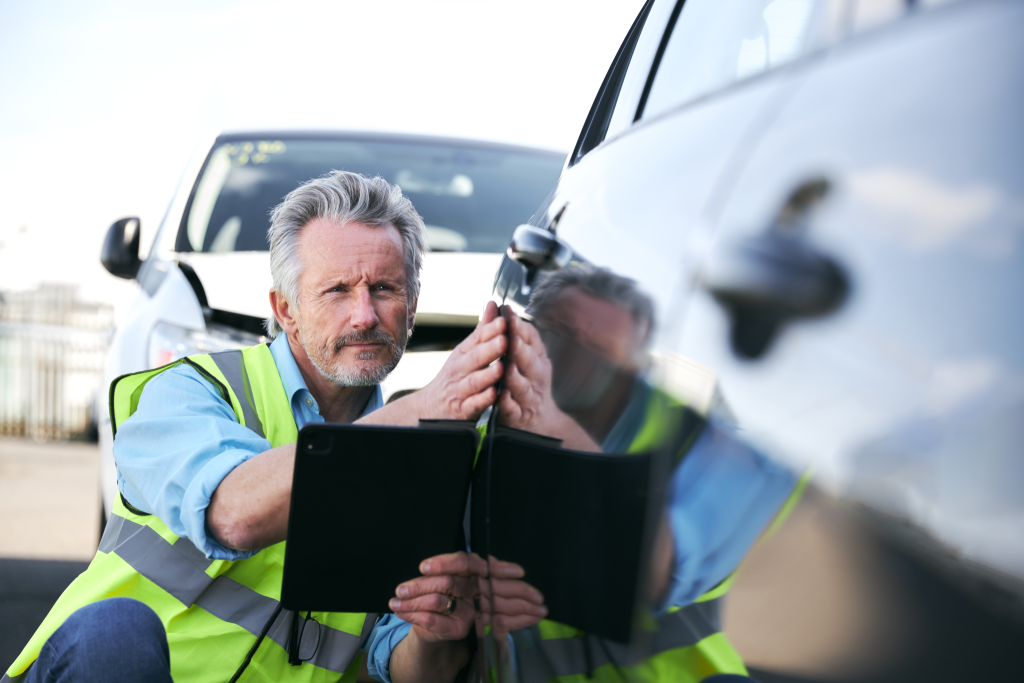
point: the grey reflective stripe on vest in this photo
(17, 679)
(180, 568)
(232, 366)
(543, 659)
(230, 601)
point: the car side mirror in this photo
(537, 249)
(120, 254)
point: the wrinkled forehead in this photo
(330, 249)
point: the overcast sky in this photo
(104, 102)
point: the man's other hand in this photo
(527, 402)
(507, 602)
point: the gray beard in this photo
(357, 377)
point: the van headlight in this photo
(169, 342)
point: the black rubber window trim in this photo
(676, 11)
(599, 117)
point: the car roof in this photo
(386, 137)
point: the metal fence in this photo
(52, 350)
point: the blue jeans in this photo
(117, 639)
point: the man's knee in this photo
(118, 634)
(122, 620)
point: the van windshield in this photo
(470, 197)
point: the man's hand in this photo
(424, 601)
(463, 388)
(527, 403)
(506, 602)
(435, 649)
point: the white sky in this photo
(104, 102)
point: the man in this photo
(577, 374)
(205, 453)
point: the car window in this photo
(471, 198)
(715, 43)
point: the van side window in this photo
(717, 42)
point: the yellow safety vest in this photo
(685, 645)
(212, 610)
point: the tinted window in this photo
(715, 43)
(470, 198)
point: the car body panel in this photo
(926, 220)
(903, 396)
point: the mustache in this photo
(371, 336)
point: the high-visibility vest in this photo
(212, 610)
(684, 645)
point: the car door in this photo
(603, 271)
(892, 180)
(649, 161)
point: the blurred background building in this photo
(52, 348)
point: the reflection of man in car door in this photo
(577, 374)
(205, 450)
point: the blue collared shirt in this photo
(172, 454)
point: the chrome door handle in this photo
(767, 280)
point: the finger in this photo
(509, 412)
(516, 381)
(529, 354)
(485, 352)
(474, 406)
(514, 588)
(461, 586)
(513, 607)
(434, 602)
(459, 563)
(490, 313)
(531, 335)
(479, 381)
(484, 332)
(476, 381)
(505, 570)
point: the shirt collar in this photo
(292, 380)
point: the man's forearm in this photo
(415, 660)
(249, 509)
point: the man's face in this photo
(353, 315)
(592, 343)
(596, 325)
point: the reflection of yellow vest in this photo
(684, 645)
(212, 610)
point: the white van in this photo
(204, 283)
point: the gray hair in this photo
(342, 197)
(599, 283)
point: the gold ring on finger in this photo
(451, 606)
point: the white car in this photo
(204, 284)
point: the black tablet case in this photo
(574, 521)
(370, 503)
